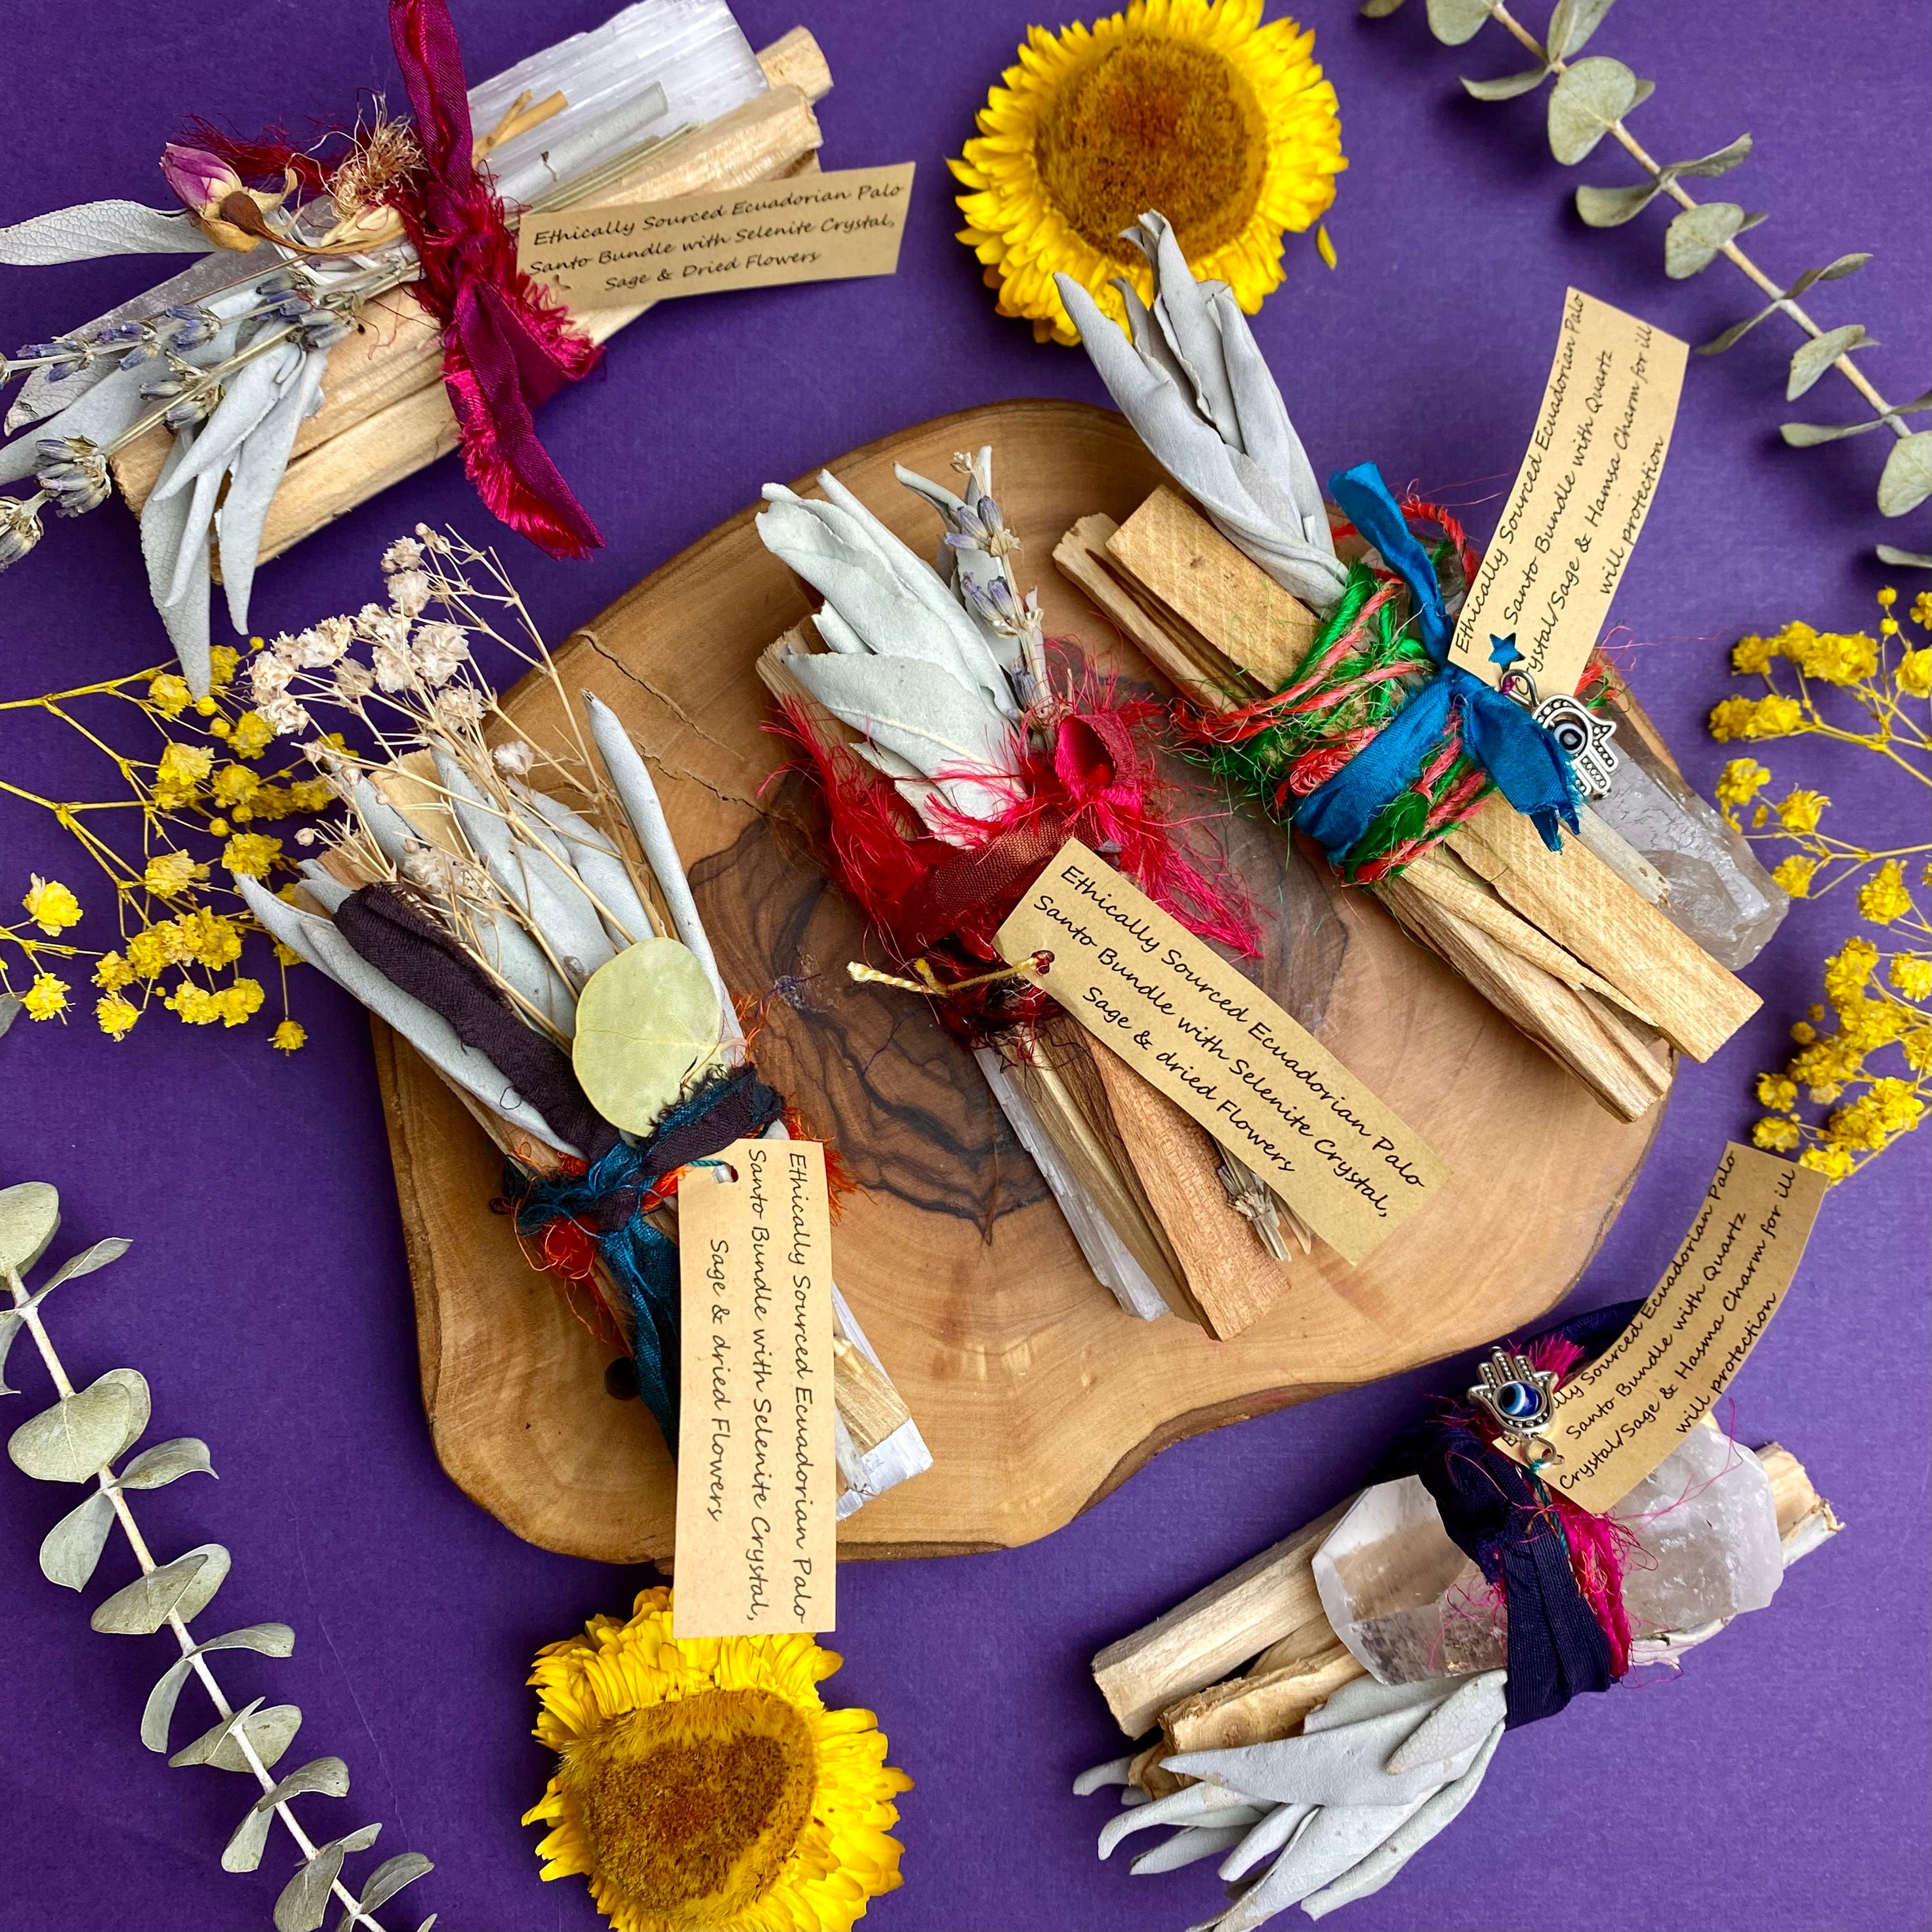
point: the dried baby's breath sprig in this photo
(1588, 100)
(1865, 1055)
(187, 820)
(78, 1440)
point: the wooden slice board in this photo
(1037, 1394)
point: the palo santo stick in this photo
(1582, 905)
(1263, 1705)
(385, 415)
(1171, 548)
(871, 1405)
(1199, 1641)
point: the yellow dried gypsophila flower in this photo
(46, 998)
(231, 1004)
(1911, 975)
(170, 874)
(1774, 717)
(1800, 810)
(288, 1037)
(1794, 874)
(251, 735)
(252, 854)
(233, 785)
(117, 1016)
(169, 694)
(180, 775)
(1884, 897)
(50, 905)
(1741, 781)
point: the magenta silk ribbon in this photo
(507, 346)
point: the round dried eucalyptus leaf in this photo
(646, 1022)
(29, 1218)
(83, 1431)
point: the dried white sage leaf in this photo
(82, 1431)
(327, 1777)
(386, 1880)
(645, 1022)
(304, 1903)
(1907, 480)
(260, 464)
(265, 1639)
(166, 1462)
(86, 1262)
(181, 1589)
(1586, 99)
(70, 1549)
(268, 1732)
(29, 1219)
(92, 229)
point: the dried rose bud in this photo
(229, 213)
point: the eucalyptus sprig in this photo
(1588, 100)
(78, 1440)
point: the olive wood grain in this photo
(1037, 1395)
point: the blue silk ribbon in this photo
(1530, 768)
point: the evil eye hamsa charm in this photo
(1586, 737)
(1520, 1400)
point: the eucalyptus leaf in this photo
(1808, 436)
(1697, 237)
(10, 1325)
(1817, 354)
(29, 1219)
(1906, 559)
(1453, 22)
(86, 1262)
(11, 1007)
(1586, 99)
(265, 1639)
(1379, 10)
(1612, 207)
(1571, 24)
(166, 1462)
(83, 1432)
(1508, 86)
(386, 1880)
(1707, 167)
(181, 1589)
(92, 228)
(325, 1777)
(645, 1023)
(424, 1926)
(1907, 480)
(70, 1549)
(268, 1732)
(304, 1903)
(1832, 272)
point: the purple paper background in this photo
(1781, 1783)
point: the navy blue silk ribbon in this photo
(1530, 768)
(1497, 1517)
(607, 1198)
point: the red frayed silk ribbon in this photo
(507, 346)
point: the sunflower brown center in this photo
(691, 1809)
(1153, 123)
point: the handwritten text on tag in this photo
(1218, 1047)
(1580, 498)
(806, 228)
(756, 1483)
(1618, 1420)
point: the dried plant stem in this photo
(30, 1317)
(1732, 253)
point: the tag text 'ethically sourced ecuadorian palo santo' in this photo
(1580, 498)
(1625, 1414)
(806, 228)
(1218, 1047)
(757, 1480)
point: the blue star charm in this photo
(1503, 651)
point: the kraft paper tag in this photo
(808, 228)
(757, 1481)
(1580, 500)
(1624, 1415)
(1218, 1047)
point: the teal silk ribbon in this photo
(1530, 768)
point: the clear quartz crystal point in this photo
(1404, 1600)
(1707, 1522)
(1409, 1605)
(1719, 894)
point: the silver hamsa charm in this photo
(1519, 1400)
(1586, 737)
